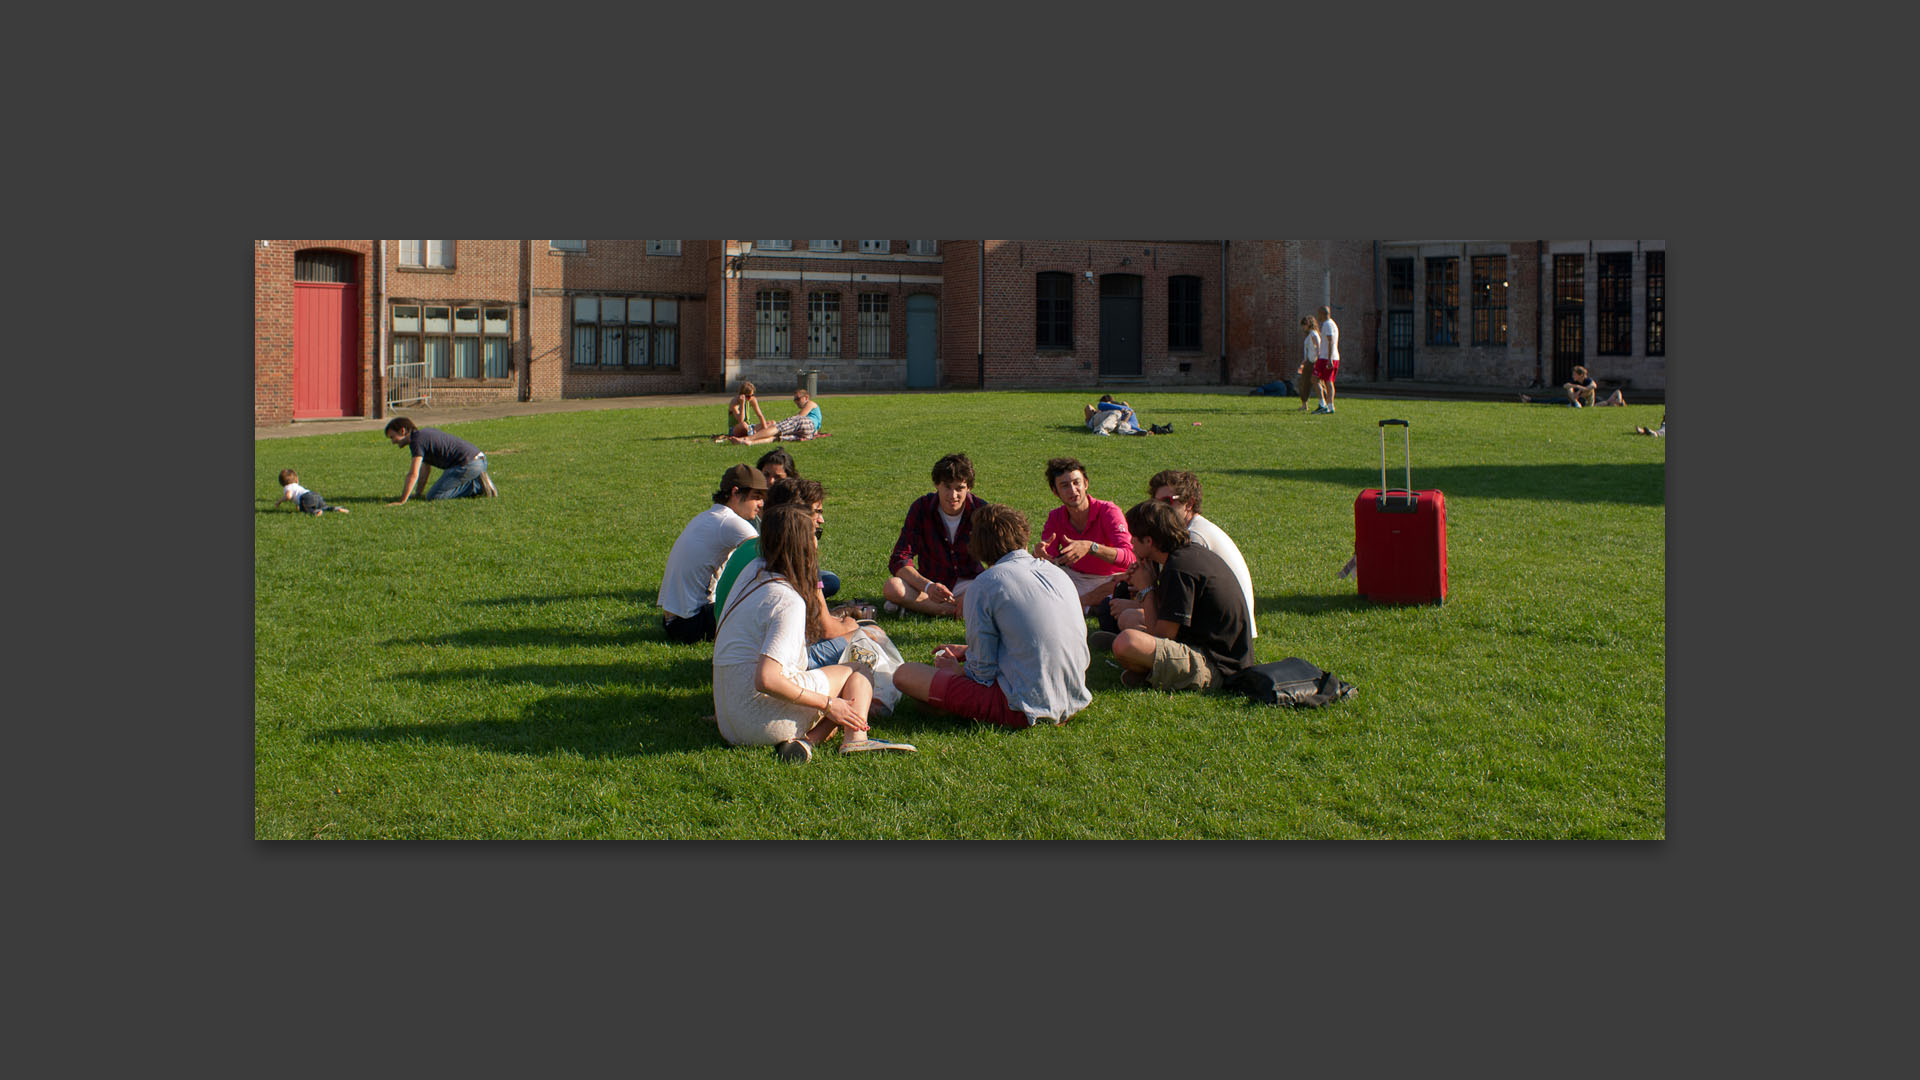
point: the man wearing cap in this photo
(463, 467)
(693, 566)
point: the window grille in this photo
(823, 324)
(770, 327)
(876, 328)
(1443, 301)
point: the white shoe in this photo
(487, 482)
(890, 608)
(867, 743)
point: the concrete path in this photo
(437, 416)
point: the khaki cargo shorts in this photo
(1176, 667)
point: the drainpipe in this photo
(1539, 308)
(1225, 296)
(1379, 313)
(723, 317)
(380, 333)
(980, 327)
(526, 319)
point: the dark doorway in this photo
(1120, 313)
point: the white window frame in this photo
(427, 254)
(923, 247)
(823, 245)
(663, 247)
(773, 245)
(875, 247)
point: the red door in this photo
(326, 350)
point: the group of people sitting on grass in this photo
(1168, 589)
(805, 423)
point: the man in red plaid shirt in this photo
(931, 566)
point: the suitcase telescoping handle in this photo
(1409, 500)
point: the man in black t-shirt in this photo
(462, 465)
(1199, 634)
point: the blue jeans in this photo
(461, 481)
(824, 652)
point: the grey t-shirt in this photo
(441, 450)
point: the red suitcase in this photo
(1400, 537)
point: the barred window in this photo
(1615, 315)
(1400, 282)
(1656, 303)
(823, 324)
(770, 327)
(1443, 301)
(1053, 310)
(876, 328)
(823, 245)
(1183, 312)
(774, 245)
(923, 247)
(1489, 299)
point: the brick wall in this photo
(617, 267)
(1012, 356)
(273, 325)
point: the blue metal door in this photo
(922, 329)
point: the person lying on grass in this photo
(763, 692)
(1025, 660)
(932, 564)
(1200, 635)
(307, 502)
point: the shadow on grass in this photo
(616, 724)
(690, 671)
(644, 597)
(1643, 484)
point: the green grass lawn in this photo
(495, 667)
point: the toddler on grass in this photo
(308, 502)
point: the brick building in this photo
(347, 327)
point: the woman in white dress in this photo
(763, 693)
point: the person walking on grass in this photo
(307, 502)
(1327, 367)
(932, 564)
(462, 465)
(1304, 379)
(763, 692)
(693, 566)
(1201, 635)
(1025, 660)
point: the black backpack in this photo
(1292, 681)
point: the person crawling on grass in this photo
(932, 565)
(307, 502)
(1201, 635)
(763, 692)
(462, 465)
(1025, 660)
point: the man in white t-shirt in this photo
(1327, 367)
(931, 566)
(693, 567)
(1181, 489)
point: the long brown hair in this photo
(786, 542)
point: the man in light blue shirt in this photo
(1025, 660)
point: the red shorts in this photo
(957, 694)
(1325, 370)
